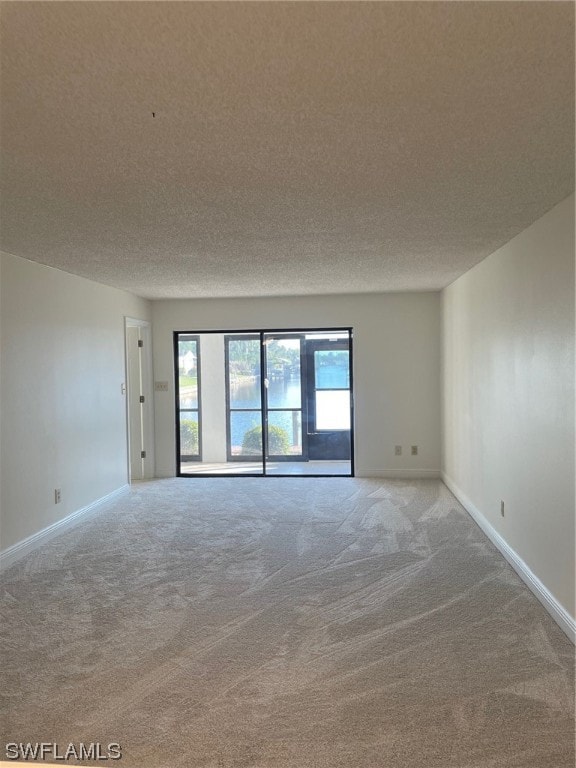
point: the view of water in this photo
(283, 392)
(332, 376)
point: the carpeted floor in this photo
(285, 623)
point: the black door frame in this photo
(191, 337)
(261, 333)
(303, 400)
(228, 337)
(321, 439)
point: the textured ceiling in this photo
(240, 149)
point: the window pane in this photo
(189, 443)
(188, 373)
(333, 409)
(284, 433)
(331, 369)
(246, 433)
(188, 395)
(244, 373)
(283, 372)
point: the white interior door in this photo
(139, 407)
(135, 404)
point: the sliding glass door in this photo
(264, 402)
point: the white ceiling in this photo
(296, 148)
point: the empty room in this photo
(287, 324)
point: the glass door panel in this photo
(332, 368)
(285, 434)
(189, 411)
(189, 436)
(332, 410)
(219, 405)
(332, 389)
(283, 394)
(245, 430)
(244, 398)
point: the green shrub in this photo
(188, 437)
(278, 441)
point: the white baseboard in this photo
(554, 608)
(12, 554)
(399, 474)
(391, 474)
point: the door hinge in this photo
(142, 399)
(140, 343)
(142, 454)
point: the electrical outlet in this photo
(397, 450)
(57, 495)
(414, 450)
(502, 508)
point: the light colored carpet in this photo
(285, 623)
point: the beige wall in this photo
(63, 414)
(396, 366)
(508, 395)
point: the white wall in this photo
(63, 415)
(396, 366)
(508, 395)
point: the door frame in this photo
(239, 336)
(130, 391)
(261, 333)
(304, 457)
(193, 337)
(317, 435)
